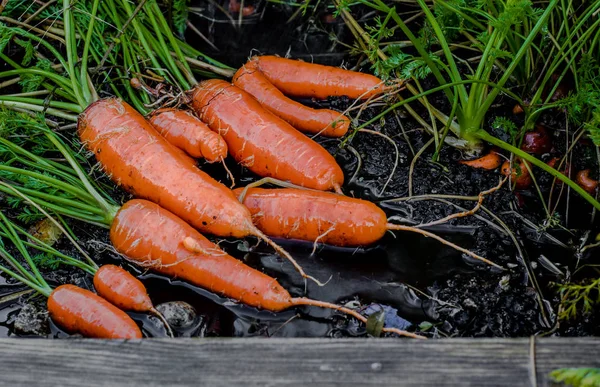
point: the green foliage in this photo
(29, 53)
(32, 82)
(47, 261)
(578, 298)
(577, 377)
(179, 11)
(506, 125)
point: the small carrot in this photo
(261, 141)
(72, 308)
(79, 310)
(490, 161)
(121, 289)
(300, 79)
(180, 251)
(189, 134)
(326, 122)
(324, 217)
(586, 182)
(519, 175)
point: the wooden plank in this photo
(291, 362)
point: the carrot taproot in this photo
(518, 174)
(300, 79)
(586, 182)
(146, 165)
(189, 134)
(166, 244)
(81, 311)
(490, 161)
(261, 141)
(325, 122)
(326, 217)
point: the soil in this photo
(420, 284)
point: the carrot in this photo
(490, 161)
(147, 166)
(79, 310)
(325, 217)
(154, 240)
(189, 134)
(261, 141)
(586, 182)
(326, 122)
(519, 174)
(300, 79)
(121, 289)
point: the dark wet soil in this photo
(421, 284)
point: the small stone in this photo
(179, 314)
(31, 321)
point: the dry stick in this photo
(412, 165)
(31, 28)
(465, 213)
(201, 35)
(395, 162)
(391, 226)
(58, 225)
(207, 66)
(39, 10)
(121, 32)
(327, 305)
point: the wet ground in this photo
(420, 284)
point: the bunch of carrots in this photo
(252, 119)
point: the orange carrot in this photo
(326, 122)
(519, 175)
(189, 134)
(300, 79)
(490, 161)
(329, 218)
(121, 289)
(261, 141)
(315, 216)
(146, 165)
(586, 182)
(161, 241)
(81, 311)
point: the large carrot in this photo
(79, 310)
(261, 141)
(300, 79)
(146, 165)
(326, 122)
(324, 217)
(189, 134)
(161, 241)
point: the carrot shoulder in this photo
(261, 141)
(300, 79)
(146, 165)
(81, 311)
(189, 134)
(326, 122)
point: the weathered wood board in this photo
(292, 362)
